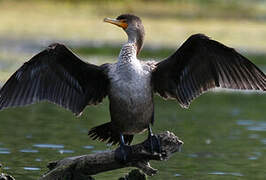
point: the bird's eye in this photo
(123, 21)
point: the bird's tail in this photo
(104, 132)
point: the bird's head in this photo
(132, 25)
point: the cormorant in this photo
(59, 76)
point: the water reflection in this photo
(52, 146)
(254, 155)
(263, 141)
(63, 151)
(225, 173)
(218, 131)
(29, 150)
(31, 168)
(258, 127)
(253, 125)
(38, 159)
(29, 136)
(100, 151)
(235, 111)
(4, 151)
(200, 155)
(245, 122)
(88, 147)
(253, 136)
(193, 155)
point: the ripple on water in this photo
(253, 125)
(52, 146)
(193, 155)
(29, 136)
(235, 112)
(63, 151)
(263, 141)
(200, 155)
(254, 156)
(4, 151)
(225, 173)
(38, 159)
(31, 168)
(100, 151)
(257, 128)
(88, 147)
(29, 150)
(245, 122)
(253, 136)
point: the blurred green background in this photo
(224, 132)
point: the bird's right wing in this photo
(201, 64)
(56, 75)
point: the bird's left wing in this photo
(56, 75)
(201, 64)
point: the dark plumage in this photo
(200, 64)
(59, 76)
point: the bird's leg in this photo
(121, 153)
(154, 141)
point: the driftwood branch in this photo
(4, 176)
(81, 167)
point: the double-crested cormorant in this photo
(59, 76)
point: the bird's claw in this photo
(122, 153)
(155, 145)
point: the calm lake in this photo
(224, 136)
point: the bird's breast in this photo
(131, 104)
(130, 82)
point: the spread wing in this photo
(56, 75)
(201, 64)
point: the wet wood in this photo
(6, 177)
(82, 167)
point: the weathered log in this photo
(4, 176)
(135, 174)
(81, 167)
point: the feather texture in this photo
(201, 64)
(56, 75)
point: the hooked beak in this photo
(121, 23)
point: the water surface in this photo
(224, 135)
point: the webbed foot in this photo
(122, 153)
(155, 145)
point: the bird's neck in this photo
(132, 48)
(137, 40)
(128, 53)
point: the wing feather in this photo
(56, 75)
(201, 64)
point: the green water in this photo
(224, 136)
